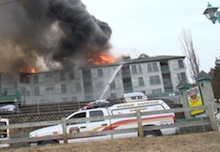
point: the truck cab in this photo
(78, 127)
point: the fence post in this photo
(64, 130)
(139, 123)
(211, 114)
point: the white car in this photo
(8, 108)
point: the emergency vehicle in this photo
(4, 133)
(112, 124)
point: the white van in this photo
(4, 133)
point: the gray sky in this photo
(153, 27)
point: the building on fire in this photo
(154, 76)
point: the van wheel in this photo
(47, 143)
(149, 134)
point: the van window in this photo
(141, 108)
(155, 107)
(96, 114)
(79, 115)
(3, 133)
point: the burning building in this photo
(62, 38)
(154, 76)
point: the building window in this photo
(89, 98)
(100, 73)
(49, 89)
(99, 86)
(62, 76)
(88, 88)
(48, 75)
(112, 85)
(152, 67)
(136, 69)
(181, 76)
(137, 82)
(155, 91)
(25, 91)
(113, 95)
(114, 70)
(60, 88)
(97, 73)
(28, 93)
(180, 63)
(115, 85)
(64, 99)
(57, 88)
(24, 78)
(78, 87)
(63, 88)
(74, 99)
(36, 91)
(41, 78)
(71, 75)
(36, 80)
(42, 90)
(155, 80)
(141, 81)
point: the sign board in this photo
(194, 98)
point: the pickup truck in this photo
(112, 124)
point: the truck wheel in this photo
(47, 143)
(149, 134)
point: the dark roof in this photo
(138, 60)
(183, 85)
(203, 76)
(157, 58)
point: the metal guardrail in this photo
(56, 107)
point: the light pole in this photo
(212, 14)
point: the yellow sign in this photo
(194, 99)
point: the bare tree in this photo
(190, 52)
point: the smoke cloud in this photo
(48, 33)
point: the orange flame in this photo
(28, 70)
(33, 70)
(100, 58)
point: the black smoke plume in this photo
(51, 33)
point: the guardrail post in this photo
(64, 126)
(212, 118)
(139, 122)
